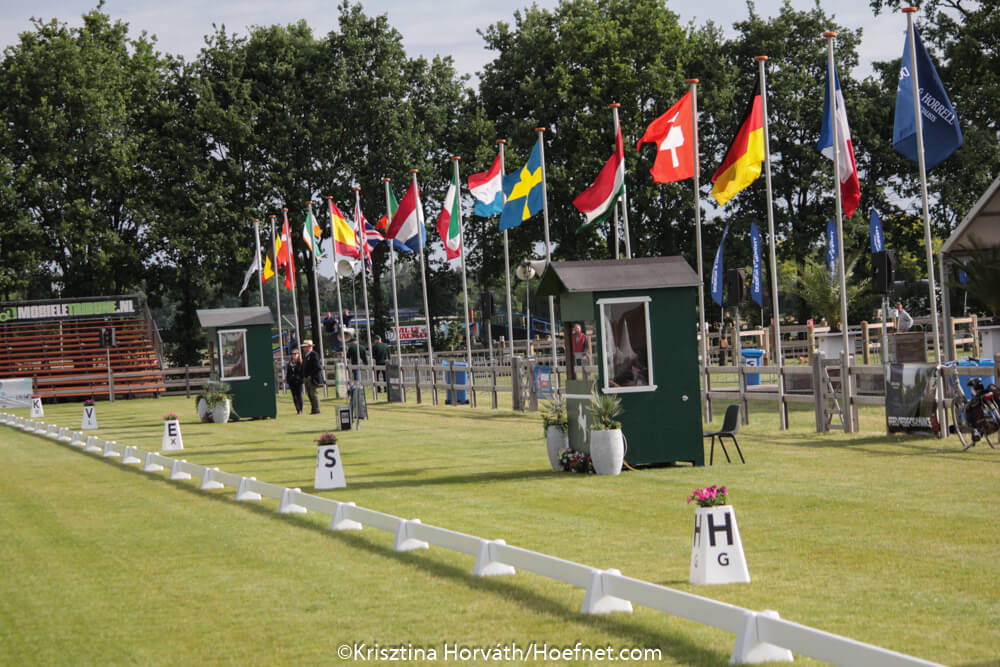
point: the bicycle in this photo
(975, 419)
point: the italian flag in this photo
(447, 224)
(598, 201)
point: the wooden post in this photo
(416, 377)
(819, 389)
(865, 340)
(493, 375)
(975, 335)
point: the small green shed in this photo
(643, 313)
(239, 345)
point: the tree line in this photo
(124, 169)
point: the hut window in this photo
(232, 351)
(625, 345)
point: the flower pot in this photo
(220, 413)
(556, 440)
(607, 451)
(202, 409)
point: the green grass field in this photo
(892, 541)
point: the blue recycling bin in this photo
(964, 379)
(752, 357)
(461, 377)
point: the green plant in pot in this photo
(214, 401)
(556, 422)
(607, 442)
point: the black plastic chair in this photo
(730, 426)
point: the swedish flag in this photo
(523, 190)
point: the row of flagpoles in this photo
(520, 195)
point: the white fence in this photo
(760, 635)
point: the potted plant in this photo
(574, 461)
(712, 496)
(556, 423)
(171, 417)
(607, 443)
(326, 438)
(215, 394)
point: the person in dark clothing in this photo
(357, 354)
(294, 378)
(312, 373)
(381, 353)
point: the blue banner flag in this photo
(523, 190)
(717, 271)
(875, 232)
(942, 134)
(755, 279)
(963, 277)
(831, 247)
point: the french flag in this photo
(487, 190)
(850, 190)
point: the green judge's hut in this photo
(239, 346)
(643, 316)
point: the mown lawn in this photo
(888, 540)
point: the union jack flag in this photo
(368, 243)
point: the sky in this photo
(441, 27)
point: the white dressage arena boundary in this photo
(760, 635)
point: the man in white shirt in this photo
(903, 319)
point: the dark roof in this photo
(232, 317)
(607, 275)
(982, 222)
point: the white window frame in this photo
(246, 362)
(607, 389)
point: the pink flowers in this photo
(170, 416)
(711, 496)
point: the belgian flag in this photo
(742, 165)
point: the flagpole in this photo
(623, 200)
(336, 280)
(506, 262)
(697, 237)
(290, 267)
(841, 273)
(312, 256)
(423, 275)
(363, 250)
(392, 264)
(548, 259)
(783, 408)
(461, 239)
(922, 162)
(277, 300)
(260, 265)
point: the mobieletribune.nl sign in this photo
(909, 399)
(16, 312)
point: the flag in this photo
(250, 272)
(942, 134)
(741, 166)
(407, 224)
(269, 265)
(361, 224)
(875, 233)
(717, 271)
(598, 201)
(850, 190)
(447, 224)
(523, 190)
(383, 223)
(285, 258)
(673, 134)
(345, 241)
(755, 275)
(312, 233)
(487, 190)
(831, 248)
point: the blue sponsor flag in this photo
(523, 190)
(875, 232)
(963, 277)
(755, 279)
(942, 134)
(717, 271)
(831, 248)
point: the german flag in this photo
(742, 164)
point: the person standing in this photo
(581, 346)
(903, 319)
(294, 378)
(357, 354)
(312, 372)
(381, 353)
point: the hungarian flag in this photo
(487, 189)
(383, 223)
(741, 167)
(447, 224)
(598, 201)
(345, 241)
(407, 224)
(285, 257)
(850, 190)
(312, 233)
(673, 134)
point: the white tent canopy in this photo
(982, 223)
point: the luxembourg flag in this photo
(407, 224)
(487, 189)
(850, 190)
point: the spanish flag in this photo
(742, 165)
(345, 241)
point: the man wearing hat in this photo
(312, 370)
(357, 354)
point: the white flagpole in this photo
(506, 264)
(277, 300)
(697, 236)
(336, 280)
(922, 163)
(260, 265)
(290, 268)
(841, 273)
(392, 263)
(548, 258)
(318, 329)
(783, 408)
(362, 237)
(461, 248)
(423, 275)
(623, 201)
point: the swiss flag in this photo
(673, 134)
